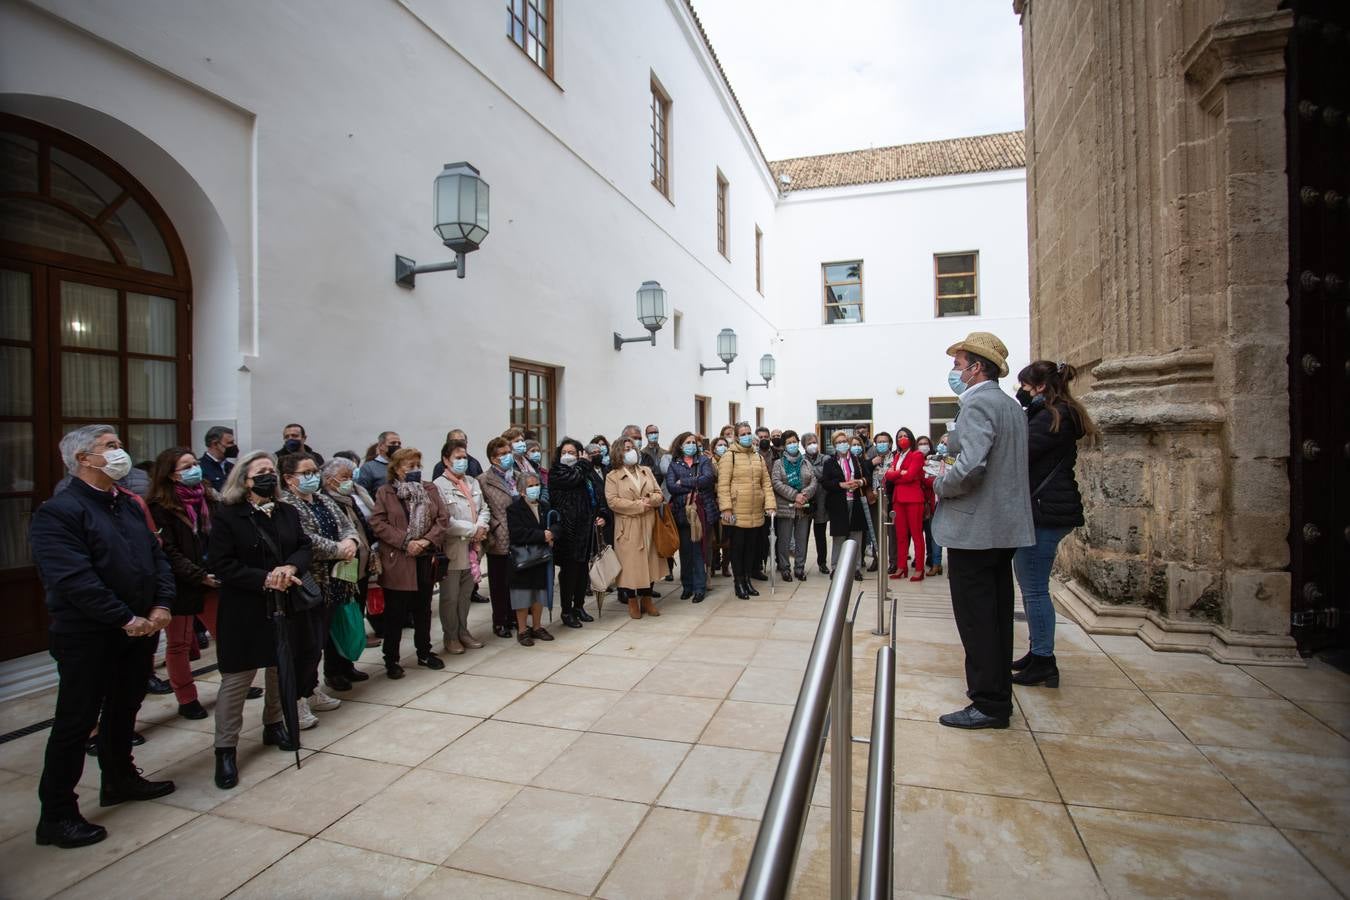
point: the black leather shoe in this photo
(1041, 670)
(357, 675)
(740, 590)
(137, 739)
(157, 685)
(393, 670)
(670, 576)
(203, 641)
(69, 833)
(338, 682)
(785, 575)
(698, 596)
(824, 569)
(431, 661)
(800, 574)
(133, 787)
(227, 768)
(276, 735)
(192, 710)
(970, 717)
(478, 598)
(1020, 664)
(253, 693)
(569, 620)
(685, 595)
(760, 576)
(583, 615)
(873, 566)
(501, 631)
(524, 638)
(655, 595)
(750, 589)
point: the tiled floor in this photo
(631, 759)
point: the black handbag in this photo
(307, 594)
(528, 556)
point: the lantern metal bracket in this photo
(406, 270)
(703, 370)
(620, 340)
(763, 384)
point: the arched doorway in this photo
(95, 326)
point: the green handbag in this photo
(349, 630)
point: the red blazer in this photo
(905, 477)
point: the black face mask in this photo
(778, 442)
(1023, 397)
(765, 443)
(232, 451)
(391, 450)
(265, 485)
(293, 444)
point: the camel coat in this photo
(744, 487)
(625, 489)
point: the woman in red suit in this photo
(905, 479)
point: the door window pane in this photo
(14, 515)
(18, 163)
(135, 234)
(16, 381)
(80, 184)
(16, 457)
(145, 442)
(90, 386)
(150, 324)
(152, 389)
(88, 316)
(16, 306)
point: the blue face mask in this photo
(518, 447)
(690, 449)
(792, 449)
(720, 450)
(841, 448)
(413, 475)
(459, 466)
(505, 461)
(532, 492)
(535, 456)
(191, 477)
(955, 383)
(855, 450)
(356, 474)
(309, 484)
(942, 449)
(345, 487)
(883, 446)
(746, 440)
(604, 459)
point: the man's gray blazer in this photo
(984, 498)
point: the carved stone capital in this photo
(1173, 391)
(1234, 49)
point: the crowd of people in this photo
(285, 549)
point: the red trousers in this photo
(909, 525)
(180, 639)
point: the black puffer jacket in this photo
(1058, 504)
(570, 495)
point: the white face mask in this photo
(116, 464)
(568, 459)
(630, 458)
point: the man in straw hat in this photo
(983, 516)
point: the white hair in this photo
(81, 440)
(331, 467)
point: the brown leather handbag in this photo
(665, 533)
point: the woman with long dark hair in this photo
(573, 496)
(1056, 422)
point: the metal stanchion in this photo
(883, 564)
(877, 874)
(841, 767)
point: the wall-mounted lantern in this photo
(767, 369)
(651, 312)
(726, 352)
(460, 217)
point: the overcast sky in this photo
(817, 77)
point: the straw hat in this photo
(987, 345)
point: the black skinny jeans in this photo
(397, 606)
(820, 528)
(573, 580)
(103, 675)
(744, 550)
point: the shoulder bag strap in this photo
(1040, 487)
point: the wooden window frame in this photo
(759, 261)
(550, 374)
(662, 108)
(826, 284)
(973, 274)
(933, 433)
(733, 412)
(723, 197)
(824, 427)
(546, 15)
(702, 404)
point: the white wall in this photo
(897, 356)
(294, 145)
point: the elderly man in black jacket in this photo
(109, 589)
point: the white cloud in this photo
(817, 77)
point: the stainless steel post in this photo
(876, 876)
(883, 564)
(769, 875)
(841, 769)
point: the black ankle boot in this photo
(1041, 670)
(132, 787)
(750, 588)
(276, 735)
(227, 768)
(741, 592)
(1020, 664)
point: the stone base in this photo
(1077, 602)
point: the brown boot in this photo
(453, 646)
(649, 606)
(634, 609)
(470, 641)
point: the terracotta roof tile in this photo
(956, 156)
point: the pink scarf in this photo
(194, 502)
(462, 486)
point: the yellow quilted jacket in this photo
(743, 486)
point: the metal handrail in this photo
(883, 555)
(769, 875)
(877, 872)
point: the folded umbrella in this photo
(286, 678)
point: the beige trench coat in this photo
(625, 489)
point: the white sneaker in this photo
(307, 719)
(321, 702)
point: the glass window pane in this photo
(956, 284)
(135, 234)
(152, 389)
(150, 324)
(845, 271)
(16, 305)
(14, 516)
(16, 381)
(956, 307)
(39, 224)
(16, 457)
(851, 312)
(90, 386)
(88, 316)
(18, 163)
(845, 293)
(145, 442)
(81, 184)
(963, 262)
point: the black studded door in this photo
(1318, 109)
